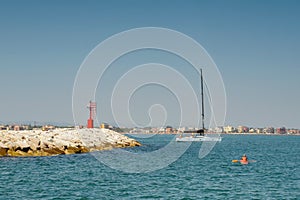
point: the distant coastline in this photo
(219, 130)
(242, 130)
(172, 133)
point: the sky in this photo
(255, 45)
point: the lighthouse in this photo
(92, 109)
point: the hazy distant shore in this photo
(60, 141)
(219, 133)
(259, 134)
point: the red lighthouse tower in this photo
(92, 108)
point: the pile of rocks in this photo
(61, 141)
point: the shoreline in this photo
(267, 134)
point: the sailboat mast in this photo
(202, 100)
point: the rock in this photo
(134, 143)
(72, 150)
(34, 143)
(61, 141)
(22, 144)
(54, 151)
(3, 151)
(83, 149)
(41, 153)
(17, 153)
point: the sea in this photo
(273, 174)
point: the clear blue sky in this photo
(255, 44)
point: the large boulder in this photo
(34, 143)
(3, 151)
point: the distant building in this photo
(259, 130)
(293, 131)
(169, 129)
(229, 129)
(252, 130)
(154, 130)
(106, 126)
(268, 130)
(161, 130)
(218, 129)
(47, 127)
(281, 130)
(243, 129)
(16, 128)
(182, 129)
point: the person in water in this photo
(244, 158)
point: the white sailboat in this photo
(199, 136)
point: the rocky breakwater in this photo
(61, 141)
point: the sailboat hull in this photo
(198, 139)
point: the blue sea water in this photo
(275, 175)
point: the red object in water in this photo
(92, 108)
